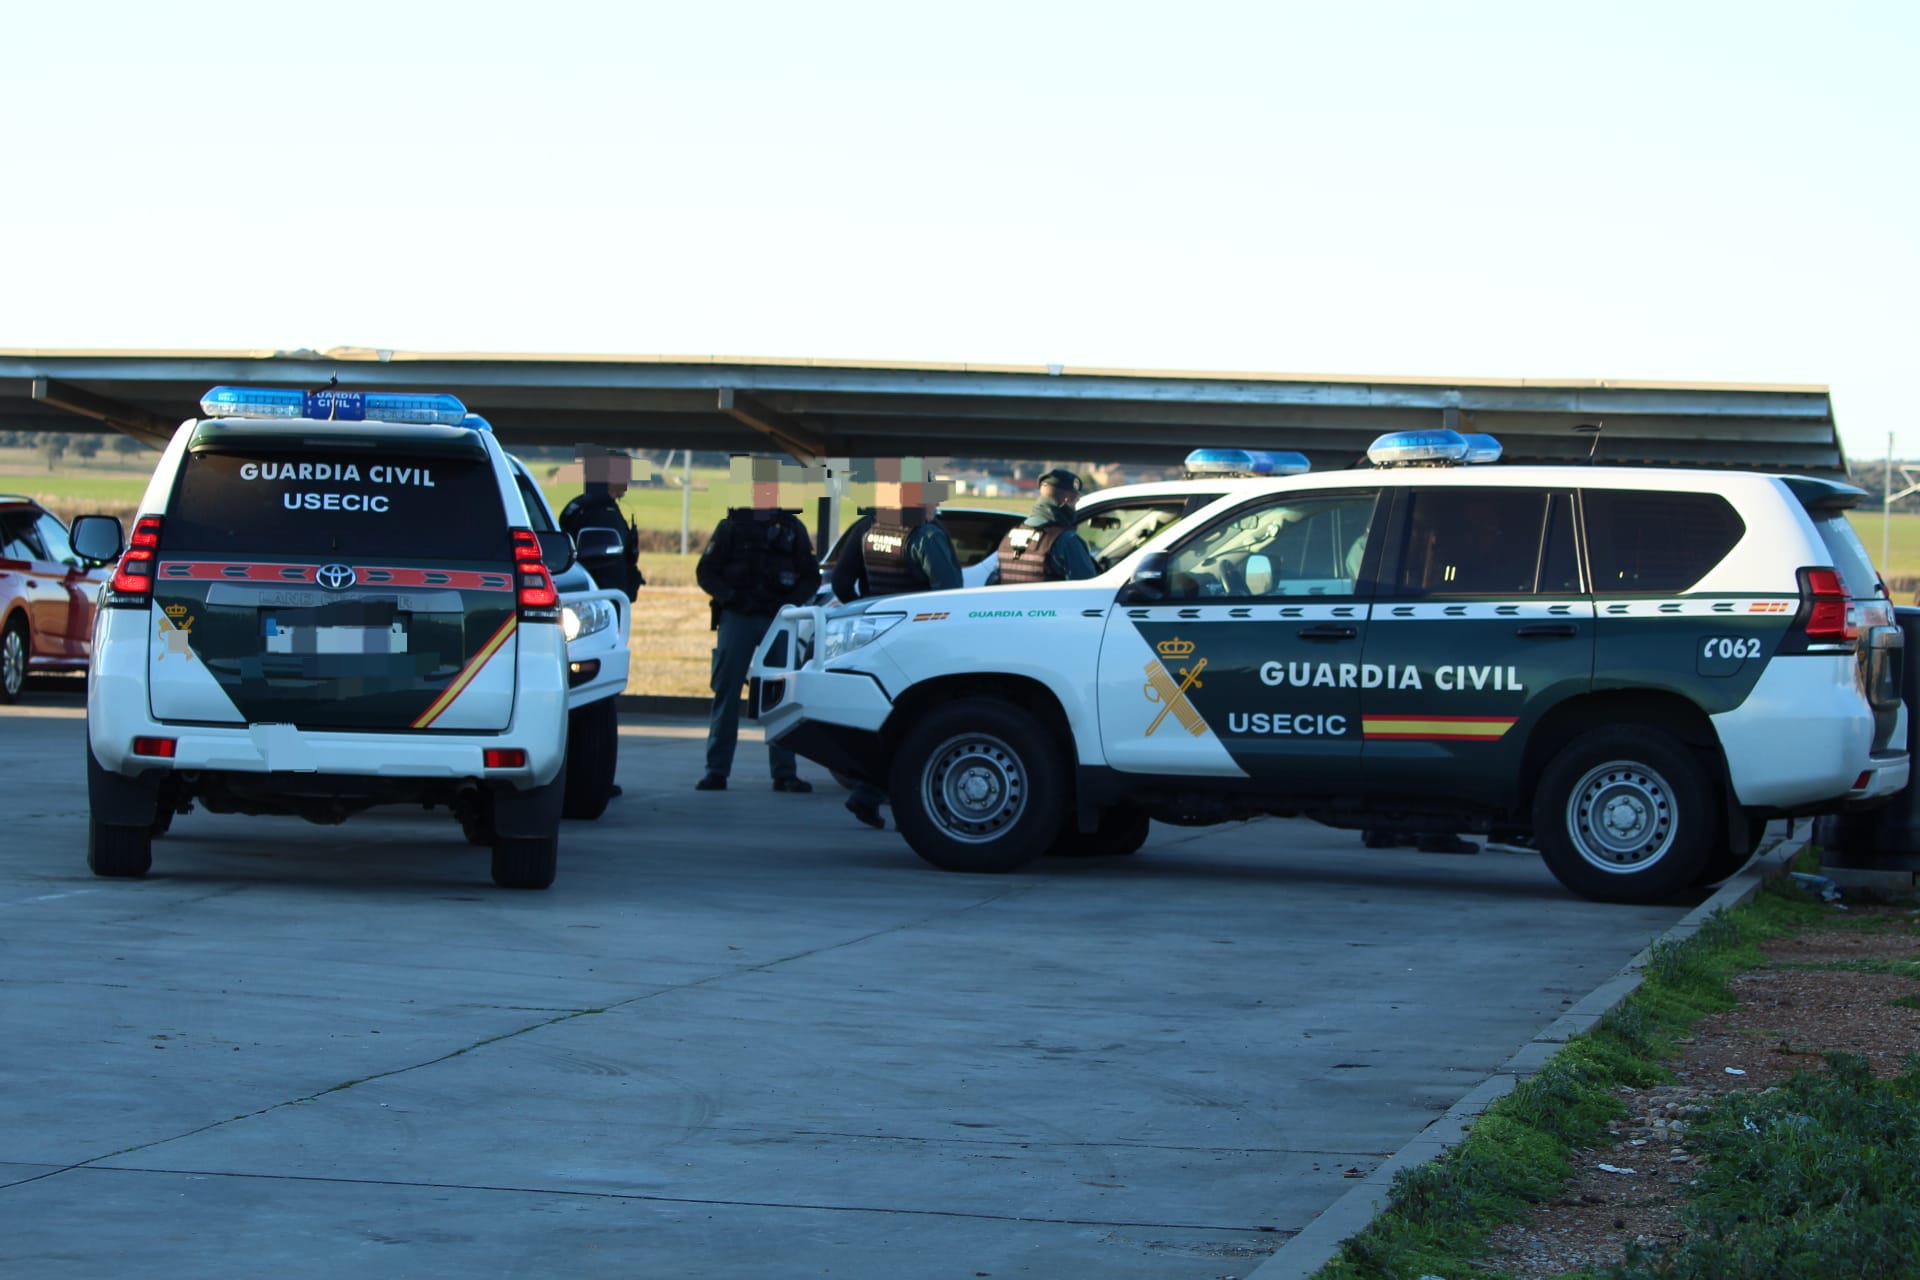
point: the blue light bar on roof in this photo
(1481, 447)
(1245, 462)
(332, 406)
(477, 423)
(1417, 448)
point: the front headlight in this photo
(585, 617)
(845, 634)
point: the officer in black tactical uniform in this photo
(1045, 548)
(598, 507)
(758, 560)
(902, 547)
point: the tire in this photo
(593, 753)
(120, 852)
(1122, 830)
(978, 785)
(1626, 815)
(527, 862)
(14, 651)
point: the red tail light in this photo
(134, 575)
(530, 572)
(162, 747)
(504, 758)
(1826, 609)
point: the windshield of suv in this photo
(321, 502)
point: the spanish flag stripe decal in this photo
(1438, 728)
(467, 673)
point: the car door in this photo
(1480, 624)
(36, 581)
(1249, 665)
(80, 583)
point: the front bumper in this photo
(802, 704)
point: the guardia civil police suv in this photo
(331, 600)
(1640, 665)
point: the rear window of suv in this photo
(333, 502)
(1649, 542)
(1849, 554)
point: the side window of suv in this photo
(1484, 542)
(1642, 542)
(1296, 546)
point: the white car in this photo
(1638, 665)
(330, 601)
(597, 623)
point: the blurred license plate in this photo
(279, 635)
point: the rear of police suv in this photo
(317, 614)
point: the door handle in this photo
(1544, 630)
(1327, 632)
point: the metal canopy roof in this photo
(822, 408)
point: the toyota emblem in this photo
(335, 577)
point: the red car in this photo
(47, 596)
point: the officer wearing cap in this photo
(1045, 548)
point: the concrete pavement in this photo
(741, 1036)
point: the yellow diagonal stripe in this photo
(467, 673)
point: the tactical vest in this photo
(762, 564)
(1024, 552)
(883, 551)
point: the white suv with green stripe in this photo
(1638, 665)
(330, 601)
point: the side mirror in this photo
(599, 543)
(556, 550)
(97, 539)
(1149, 582)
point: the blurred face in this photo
(895, 497)
(1058, 493)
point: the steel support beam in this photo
(145, 427)
(803, 444)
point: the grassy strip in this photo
(1439, 1215)
(1813, 1180)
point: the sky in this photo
(1692, 191)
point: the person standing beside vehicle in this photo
(598, 507)
(759, 560)
(1045, 548)
(902, 547)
